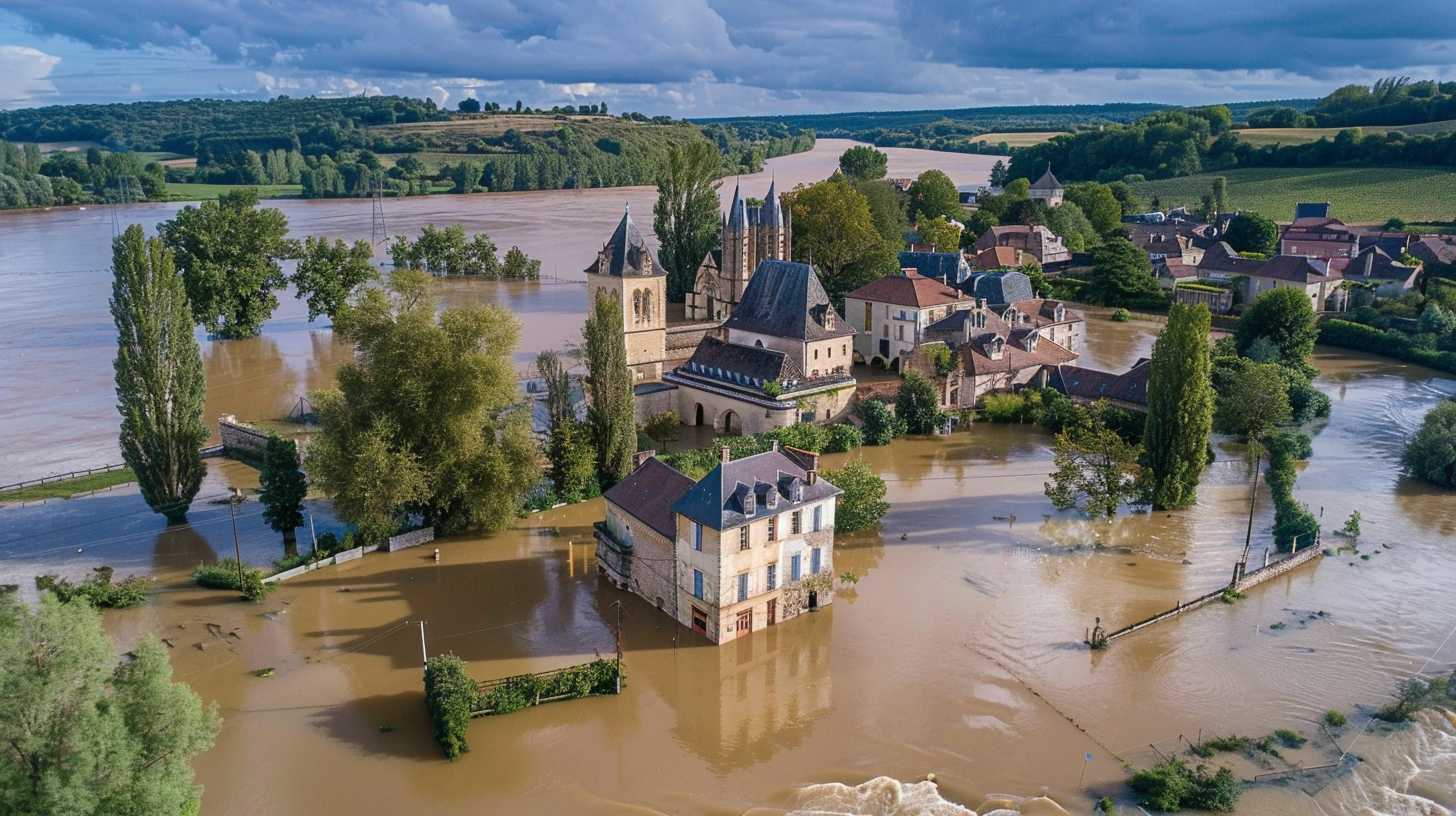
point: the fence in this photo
(59, 477)
(507, 694)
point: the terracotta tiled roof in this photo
(998, 257)
(1013, 356)
(909, 288)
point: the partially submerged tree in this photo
(1253, 399)
(1180, 408)
(227, 251)
(159, 377)
(916, 404)
(685, 216)
(1285, 318)
(612, 414)
(284, 489)
(1121, 275)
(330, 272)
(1431, 453)
(427, 419)
(863, 501)
(1096, 468)
(83, 735)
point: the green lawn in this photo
(1359, 195)
(202, 192)
(70, 487)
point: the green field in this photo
(1259, 137)
(1019, 138)
(1359, 195)
(70, 487)
(205, 192)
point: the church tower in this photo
(627, 271)
(750, 235)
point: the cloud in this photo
(25, 75)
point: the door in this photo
(771, 616)
(698, 415)
(745, 622)
(700, 621)
(885, 349)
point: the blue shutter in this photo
(794, 569)
(698, 584)
(818, 517)
(697, 536)
(743, 587)
(814, 561)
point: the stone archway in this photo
(698, 414)
(729, 423)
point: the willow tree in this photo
(685, 216)
(612, 415)
(1180, 408)
(159, 379)
(426, 420)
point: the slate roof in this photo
(1222, 258)
(1435, 248)
(739, 365)
(999, 288)
(1375, 264)
(786, 299)
(1047, 181)
(1013, 356)
(627, 253)
(1294, 268)
(909, 288)
(770, 213)
(717, 501)
(737, 212)
(1393, 243)
(954, 325)
(649, 492)
(1044, 312)
(943, 266)
(1311, 209)
(1090, 384)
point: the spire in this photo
(737, 211)
(771, 214)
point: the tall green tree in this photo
(160, 383)
(1180, 408)
(284, 489)
(330, 272)
(1284, 317)
(228, 252)
(685, 216)
(1098, 203)
(834, 231)
(916, 404)
(1253, 399)
(863, 163)
(1431, 452)
(1121, 275)
(1096, 468)
(887, 211)
(612, 414)
(932, 194)
(427, 419)
(83, 736)
(1251, 232)
(863, 502)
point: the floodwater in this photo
(57, 339)
(956, 652)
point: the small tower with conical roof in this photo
(1047, 189)
(627, 270)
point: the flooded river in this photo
(957, 652)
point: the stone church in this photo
(627, 271)
(750, 235)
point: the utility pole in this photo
(311, 534)
(424, 656)
(377, 231)
(1249, 534)
(233, 501)
(618, 604)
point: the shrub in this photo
(1334, 719)
(1289, 739)
(450, 695)
(1121, 315)
(1173, 786)
(843, 437)
(1352, 525)
(881, 426)
(516, 693)
(1388, 343)
(1003, 408)
(98, 590)
(802, 435)
(663, 427)
(1409, 696)
(224, 575)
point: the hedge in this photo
(451, 696)
(1388, 343)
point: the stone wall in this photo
(412, 538)
(240, 439)
(1278, 568)
(684, 337)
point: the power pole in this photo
(234, 500)
(618, 604)
(377, 231)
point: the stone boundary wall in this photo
(1278, 568)
(348, 555)
(412, 538)
(336, 558)
(241, 437)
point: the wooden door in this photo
(700, 621)
(772, 615)
(745, 621)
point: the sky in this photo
(718, 57)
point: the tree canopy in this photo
(330, 272)
(917, 405)
(863, 502)
(426, 420)
(863, 163)
(284, 488)
(1096, 467)
(685, 216)
(834, 231)
(1284, 317)
(612, 414)
(1431, 453)
(1251, 232)
(1253, 399)
(933, 194)
(1180, 408)
(1121, 275)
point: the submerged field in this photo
(1360, 195)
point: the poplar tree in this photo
(284, 488)
(609, 384)
(1180, 408)
(159, 378)
(685, 216)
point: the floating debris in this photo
(263, 672)
(170, 644)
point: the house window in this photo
(869, 315)
(698, 584)
(796, 522)
(743, 537)
(844, 349)
(818, 517)
(743, 586)
(697, 536)
(816, 354)
(773, 528)
(795, 570)
(815, 560)
(899, 332)
(885, 330)
(772, 581)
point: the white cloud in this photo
(25, 76)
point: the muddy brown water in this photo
(957, 651)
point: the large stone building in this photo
(750, 235)
(748, 546)
(890, 314)
(1037, 241)
(627, 271)
(783, 356)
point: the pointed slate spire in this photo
(737, 212)
(627, 253)
(771, 214)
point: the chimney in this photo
(811, 476)
(640, 458)
(775, 445)
(725, 454)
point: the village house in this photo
(1373, 266)
(1009, 294)
(949, 268)
(1434, 250)
(990, 349)
(782, 356)
(1128, 390)
(1315, 234)
(746, 547)
(1037, 241)
(1047, 189)
(890, 314)
(749, 236)
(1000, 257)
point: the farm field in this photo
(204, 192)
(1360, 195)
(1267, 136)
(1019, 139)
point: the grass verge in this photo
(66, 488)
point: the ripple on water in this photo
(884, 796)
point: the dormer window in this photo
(748, 503)
(798, 491)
